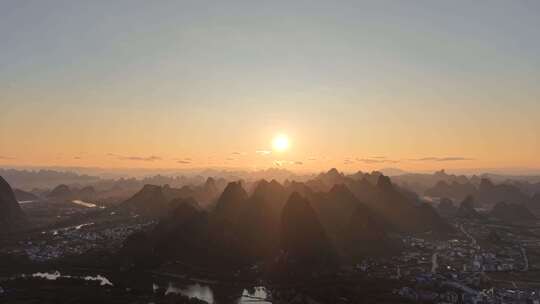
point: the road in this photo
(473, 240)
(525, 258)
(434, 262)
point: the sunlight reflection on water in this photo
(205, 293)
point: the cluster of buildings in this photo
(75, 240)
(461, 270)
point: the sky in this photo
(358, 85)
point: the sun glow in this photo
(280, 143)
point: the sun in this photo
(280, 143)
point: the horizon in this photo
(134, 172)
(302, 86)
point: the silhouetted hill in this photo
(176, 202)
(231, 203)
(87, 193)
(526, 187)
(326, 180)
(355, 230)
(205, 193)
(391, 204)
(371, 178)
(138, 251)
(153, 200)
(271, 193)
(512, 212)
(304, 242)
(535, 202)
(447, 208)
(21, 195)
(454, 190)
(334, 208)
(486, 194)
(258, 223)
(277, 222)
(181, 235)
(490, 194)
(67, 193)
(363, 190)
(366, 236)
(420, 182)
(387, 201)
(61, 192)
(186, 235)
(333, 176)
(466, 209)
(301, 188)
(150, 201)
(182, 192)
(210, 187)
(11, 215)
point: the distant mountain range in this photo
(327, 219)
(153, 200)
(486, 193)
(29, 179)
(440, 183)
(420, 183)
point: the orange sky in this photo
(188, 86)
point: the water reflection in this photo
(28, 202)
(84, 204)
(257, 294)
(53, 276)
(66, 229)
(206, 293)
(201, 292)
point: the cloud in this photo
(230, 158)
(184, 161)
(281, 163)
(6, 157)
(238, 153)
(376, 160)
(370, 160)
(77, 157)
(443, 159)
(263, 152)
(312, 159)
(150, 158)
